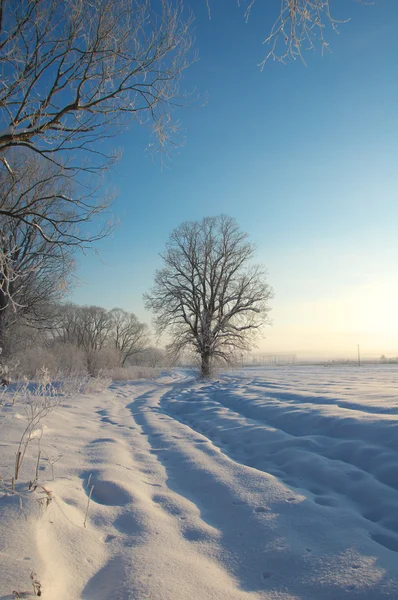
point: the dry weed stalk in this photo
(36, 584)
(88, 501)
(52, 462)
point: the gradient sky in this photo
(304, 157)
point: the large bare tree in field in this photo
(208, 297)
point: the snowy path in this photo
(276, 484)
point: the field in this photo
(272, 483)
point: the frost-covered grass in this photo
(132, 373)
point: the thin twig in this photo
(88, 504)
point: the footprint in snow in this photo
(127, 524)
(107, 493)
(166, 504)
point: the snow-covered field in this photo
(274, 483)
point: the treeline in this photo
(72, 339)
(38, 245)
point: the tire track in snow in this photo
(246, 507)
(216, 517)
(192, 525)
(334, 473)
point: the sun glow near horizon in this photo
(364, 314)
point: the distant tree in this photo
(105, 336)
(207, 296)
(150, 357)
(127, 333)
(86, 327)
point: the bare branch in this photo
(73, 72)
(300, 26)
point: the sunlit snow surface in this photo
(272, 484)
(329, 433)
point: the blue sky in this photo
(305, 158)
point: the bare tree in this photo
(38, 238)
(73, 73)
(39, 194)
(86, 327)
(207, 296)
(44, 275)
(151, 357)
(128, 334)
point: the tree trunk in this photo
(205, 366)
(3, 320)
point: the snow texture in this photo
(273, 484)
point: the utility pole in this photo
(359, 357)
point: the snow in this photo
(273, 483)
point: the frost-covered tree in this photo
(73, 73)
(105, 336)
(42, 276)
(150, 357)
(208, 297)
(129, 336)
(86, 327)
(38, 236)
